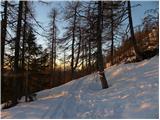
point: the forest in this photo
(97, 35)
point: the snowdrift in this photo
(133, 93)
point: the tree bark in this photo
(89, 46)
(79, 46)
(133, 39)
(27, 92)
(52, 62)
(3, 39)
(23, 47)
(16, 60)
(54, 57)
(112, 36)
(24, 34)
(53, 48)
(64, 67)
(89, 39)
(83, 54)
(73, 41)
(99, 48)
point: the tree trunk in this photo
(16, 60)
(99, 48)
(89, 47)
(3, 38)
(112, 37)
(64, 67)
(83, 53)
(89, 39)
(51, 84)
(24, 34)
(86, 56)
(26, 82)
(73, 41)
(23, 46)
(27, 92)
(79, 46)
(53, 52)
(138, 55)
(54, 57)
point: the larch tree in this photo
(133, 39)
(113, 15)
(17, 48)
(73, 37)
(25, 13)
(72, 11)
(99, 47)
(3, 38)
(53, 38)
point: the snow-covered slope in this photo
(133, 93)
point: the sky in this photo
(42, 11)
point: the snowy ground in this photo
(133, 93)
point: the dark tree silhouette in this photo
(16, 86)
(53, 34)
(3, 39)
(99, 47)
(138, 54)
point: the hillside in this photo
(133, 93)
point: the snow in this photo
(132, 93)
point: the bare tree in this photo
(3, 38)
(53, 32)
(138, 54)
(16, 60)
(99, 47)
(25, 11)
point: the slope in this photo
(133, 93)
